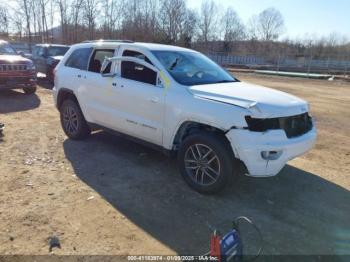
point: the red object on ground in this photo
(215, 246)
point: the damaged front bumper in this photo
(266, 153)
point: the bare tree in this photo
(188, 28)
(76, 10)
(28, 22)
(172, 15)
(140, 20)
(149, 13)
(208, 20)
(4, 21)
(233, 28)
(167, 21)
(63, 11)
(90, 10)
(112, 10)
(45, 34)
(17, 20)
(267, 26)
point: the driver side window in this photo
(137, 72)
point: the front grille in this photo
(293, 125)
(12, 67)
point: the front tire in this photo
(72, 120)
(205, 161)
(29, 90)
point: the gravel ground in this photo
(109, 196)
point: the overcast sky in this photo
(319, 17)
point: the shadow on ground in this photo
(297, 212)
(16, 100)
(45, 83)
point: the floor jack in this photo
(230, 247)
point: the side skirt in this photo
(169, 153)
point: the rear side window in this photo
(97, 59)
(79, 58)
(137, 72)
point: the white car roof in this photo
(148, 46)
(152, 46)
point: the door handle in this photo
(79, 76)
(114, 84)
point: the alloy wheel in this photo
(202, 164)
(70, 120)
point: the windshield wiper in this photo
(225, 81)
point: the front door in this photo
(140, 99)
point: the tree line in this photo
(208, 28)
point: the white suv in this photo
(180, 101)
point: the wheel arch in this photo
(63, 94)
(189, 127)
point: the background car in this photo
(47, 56)
(16, 71)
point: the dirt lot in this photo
(107, 195)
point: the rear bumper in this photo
(248, 147)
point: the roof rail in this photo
(108, 40)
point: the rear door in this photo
(72, 75)
(98, 92)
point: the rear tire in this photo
(72, 120)
(205, 160)
(29, 90)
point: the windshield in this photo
(7, 49)
(191, 68)
(57, 50)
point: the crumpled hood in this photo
(261, 101)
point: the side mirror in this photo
(21, 53)
(106, 69)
